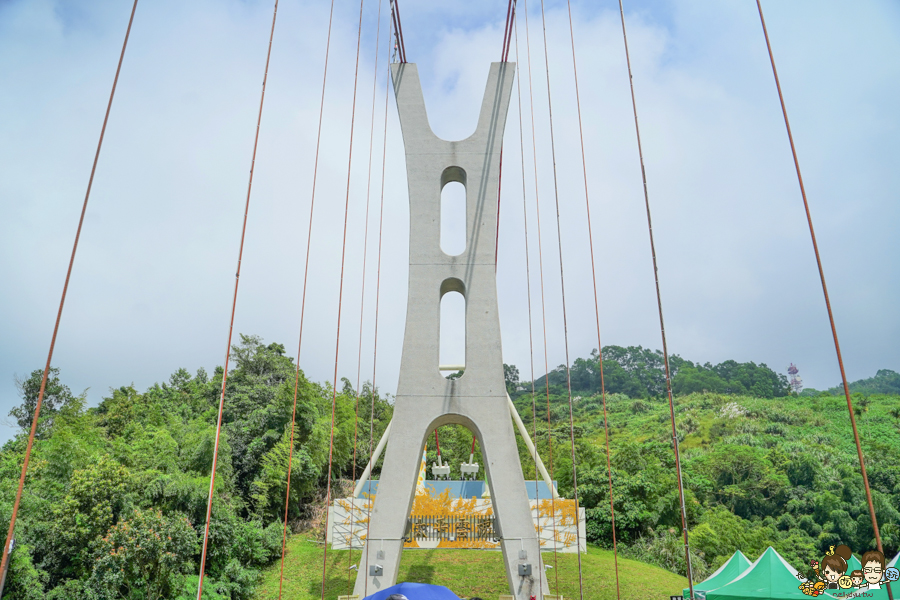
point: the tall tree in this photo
(56, 395)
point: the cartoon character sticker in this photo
(834, 565)
(811, 588)
(873, 569)
(831, 573)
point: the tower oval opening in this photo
(453, 211)
(452, 332)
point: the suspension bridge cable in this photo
(398, 30)
(508, 30)
(4, 564)
(337, 340)
(837, 346)
(237, 279)
(362, 294)
(537, 496)
(662, 327)
(587, 205)
(504, 55)
(537, 203)
(372, 457)
(562, 281)
(312, 205)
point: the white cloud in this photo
(152, 284)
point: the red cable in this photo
(562, 281)
(362, 294)
(399, 32)
(437, 442)
(662, 327)
(837, 346)
(396, 35)
(507, 31)
(312, 206)
(543, 304)
(337, 341)
(237, 278)
(62, 301)
(537, 496)
(377, 301)
(511, 20)
(587, 205)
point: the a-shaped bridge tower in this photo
(425, 399)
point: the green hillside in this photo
(469, 573)
(115, 500)
(884, 382)
(757, 472)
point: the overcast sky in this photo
(152, 284)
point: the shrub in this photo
(776, 429)
(639, 407)
(732, 410)
(144, 557)
(24, 581)
(666, 549)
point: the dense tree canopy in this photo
(116, 496)
(757, 471)
(640, 372)
(115, 500)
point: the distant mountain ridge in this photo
(884, 382)
(639, 372)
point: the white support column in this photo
(374, 460)
(530, 445)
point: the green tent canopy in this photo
(770, 577)
(734, 566)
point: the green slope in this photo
(467, 572)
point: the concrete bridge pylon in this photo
(425, 398)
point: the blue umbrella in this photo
(415, 591)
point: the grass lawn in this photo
(468, 573)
